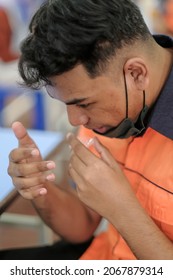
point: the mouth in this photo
(101, 130)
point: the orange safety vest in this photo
(147, 163)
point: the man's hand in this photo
(101, 184)
(26, 166)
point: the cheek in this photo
(117, 108)
(109, 114)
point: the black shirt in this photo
(162, 113)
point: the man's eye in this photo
(83, 105)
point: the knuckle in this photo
(27, 194)
(20, 183)
(41, 167)
(20, 170)
(26, 153)
(28, 183)
(15, 182)
(9, 170)
(24, 185)
(87, 176)
(12, 155)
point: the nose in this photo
(76, 116)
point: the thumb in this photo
(105, 154)
(22, 135)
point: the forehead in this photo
(76, 83)
(71, 79)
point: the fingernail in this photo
(50, 165)
(50, 177)
(35, 152)
(43, 191)
(90, 142)
(69, 135)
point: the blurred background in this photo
(36, 110)
(15, 16)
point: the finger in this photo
(22, 135)
(27, 183)
(77, 164)
(33, 192)
(27, 169)
(19, 154)
(86, 156)
(105, 154)
(76, 177)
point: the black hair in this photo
(65, 33)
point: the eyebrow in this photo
(75, 101)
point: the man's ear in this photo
(136, 73)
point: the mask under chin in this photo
(127, 127)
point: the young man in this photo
(99, 58)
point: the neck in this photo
(162, 66)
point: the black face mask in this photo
(127, 127)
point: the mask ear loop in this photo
(143, 99)
(126, 95)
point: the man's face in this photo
(98, 104)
